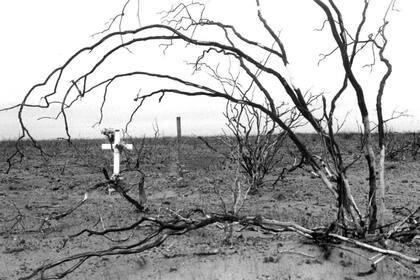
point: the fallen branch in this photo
(116, 183)
(402, 222)
(63, 214)
(164, 229)
(414, 260)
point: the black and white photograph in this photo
(209, 139)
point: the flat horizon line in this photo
(184, 136)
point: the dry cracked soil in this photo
(37, 188)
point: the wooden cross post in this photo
(116, 147)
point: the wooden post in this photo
(178, 133)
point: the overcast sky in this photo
(37, 36)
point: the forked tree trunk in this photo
(339, 33)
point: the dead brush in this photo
(232, 197)
(397, 146)
(147, 151)
(256, 141)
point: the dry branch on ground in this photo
(196, 219)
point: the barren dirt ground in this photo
(39, 187)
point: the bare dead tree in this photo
(186, 25)
(256, 141)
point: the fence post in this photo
(178, 132)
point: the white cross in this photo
(116, 146)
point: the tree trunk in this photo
(381, 188)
